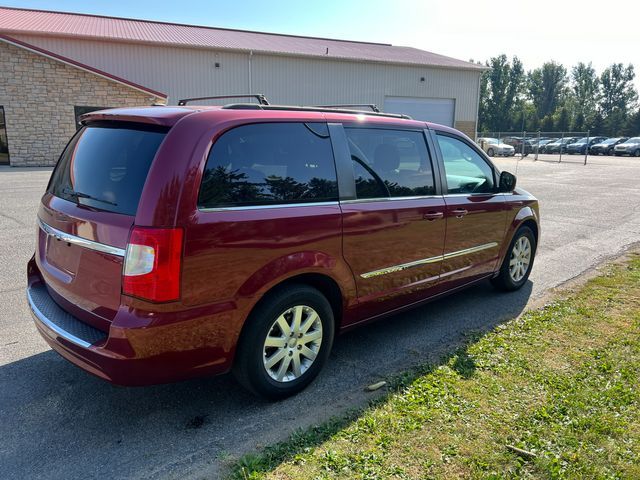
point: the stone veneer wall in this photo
(38, 95)
(468, 128)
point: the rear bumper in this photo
(159, 352)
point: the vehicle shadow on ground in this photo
(56, 421)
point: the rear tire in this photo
(636, 153)
(277, 355)
(517, 263)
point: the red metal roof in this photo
(70, 61)
(14, 20)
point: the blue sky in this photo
(536, 31)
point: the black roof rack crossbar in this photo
(372, 106)
(254, 106)
(262, 100)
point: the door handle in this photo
(431, 216)
(459, 212)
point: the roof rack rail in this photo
(372, 106)
(262, 100)
(254, 106)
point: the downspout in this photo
(250, 57)
(478, 104)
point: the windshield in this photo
(633, 140)
(105, 167)
(492, 141)
(609, 141)
(582, 140)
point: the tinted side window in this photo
(466, 170)
(270, 163)
(390, 163)
(368, 183)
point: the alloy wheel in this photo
(520, 259)
(292, 343)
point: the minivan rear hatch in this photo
(87, 213)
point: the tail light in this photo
(152, 264)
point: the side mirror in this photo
(507, 182)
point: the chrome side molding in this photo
(425, 261)
(82, 242)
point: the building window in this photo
(79, 111)
(4, 145)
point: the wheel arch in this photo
(526, 216)
(533, 225)
(321, 281)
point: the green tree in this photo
(597, 127)
(547, 124)
(632, 128)
(547, 87)
(618, 96)
(500, 90)
(579, 123)
(562, 120)
(585, 89)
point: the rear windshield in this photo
(105, 167)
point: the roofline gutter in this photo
(471, 68)
(478, 105)
(250, 73)
(81, 66)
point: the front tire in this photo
(636, 153)
(490, 152)
(285, 343)
(517, 263)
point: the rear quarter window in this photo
(105, 167)
(270, 164)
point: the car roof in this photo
(169, 116)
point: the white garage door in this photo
(436, 110)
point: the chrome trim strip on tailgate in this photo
(82, 242)
(425, 261)
(35, 311)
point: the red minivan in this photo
(175, 242)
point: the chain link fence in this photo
(544, 146)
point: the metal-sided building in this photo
(55, 66)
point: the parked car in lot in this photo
(517, 144)
(580, 146)
(560, 145)
(630, 147)
(494, 147)
(542, 144)
(606, 147)
(176, 242)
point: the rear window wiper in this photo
(75, 193)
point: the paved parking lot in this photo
(58, 422)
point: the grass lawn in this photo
(561, 383)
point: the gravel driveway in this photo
(58, 422)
